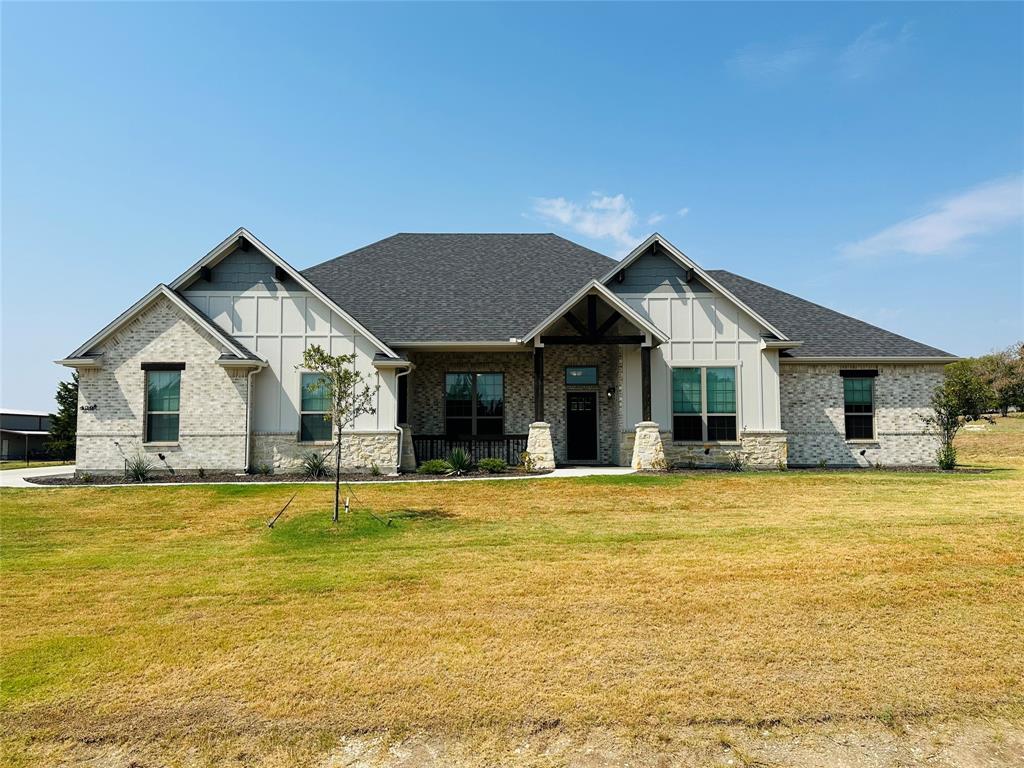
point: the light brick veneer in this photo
(213, 398)
(812, 415)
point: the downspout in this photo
(248, 417)
(398, 429)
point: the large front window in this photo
(474, 404)
(163, 403)
(704, 404)
(315, 411)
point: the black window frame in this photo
(710, 421)
(474, 417)
(854, 420)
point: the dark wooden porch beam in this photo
(577, 325)
(645, 382)
(538, 383)
(606, 326)
(592, 340)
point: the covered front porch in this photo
(558, 394)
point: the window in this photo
(163, 402)
(700, 418)
(859, 405)
(315, 409)
(581, 374)
(474, 404)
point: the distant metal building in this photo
(23, 434)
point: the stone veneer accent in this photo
(648, 452)
(756, 450)
(539, 446)
(213, 398)
(812, 415)
(407, 461)
(360, 451)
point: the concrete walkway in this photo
(16, 478)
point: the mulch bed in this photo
(227, 477)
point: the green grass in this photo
(173, 621)
(21, 464)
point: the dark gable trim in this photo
(163, 366)
(858, 373)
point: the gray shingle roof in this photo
(492, 287)
(457, 287)
(824, 332)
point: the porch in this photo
(568, 379)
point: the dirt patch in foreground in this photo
(979, 743)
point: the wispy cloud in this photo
(865, 55)
(683, 212)
(654, 218)
(951, 224)
(601, 217)
(772, 65)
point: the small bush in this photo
(946, 457)
(822, 463)
(375, 470)
(202, 472)
(139, 468)
(434, 467)
(736, 462)
(527, 461)
(781, 465)
(493, 465)
(314, 466)
(85, 477)
(263, 469)
(459, 462)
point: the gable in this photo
(656, 273)
(241, 270)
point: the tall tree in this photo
(64, 423)
(350, 394)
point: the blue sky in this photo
(868, 157)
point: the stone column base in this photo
(407, 461)
(540, 447)
(648, 452)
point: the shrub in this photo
(434, 467)
(85, 477)
(781, 465)
(527, 460)
(139, 468)
(946, 456)
(459, 462)
(263, 468)
(202, 472)
(314, 466)
(736, 462)
(493, 465)
(822, 463)
(375, 470)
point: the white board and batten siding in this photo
(278, 323)
(704, 328)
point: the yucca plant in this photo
(459, 462)
(314, 466)
(138, 468)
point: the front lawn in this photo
(171, 626)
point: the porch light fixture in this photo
(610, 392)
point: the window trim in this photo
(859, 375)
(147, 369)
(473, 401)
(703, 367)
(302, 373)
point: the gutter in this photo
(248, 417)
(398, 375)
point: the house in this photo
(499, 343)
(23, 434)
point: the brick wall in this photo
(213, 398)
(812, 415)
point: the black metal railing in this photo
(507, 447)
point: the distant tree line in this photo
(64, 423)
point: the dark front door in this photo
(581, 426)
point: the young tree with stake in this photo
(350, 395)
